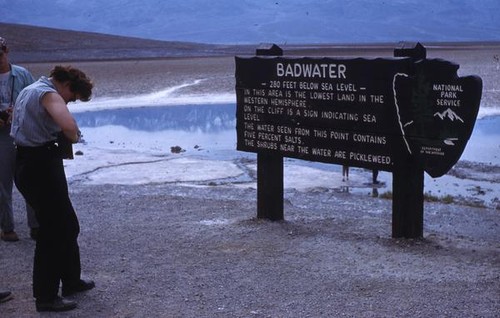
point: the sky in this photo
(268, 21)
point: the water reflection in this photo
(488, 125)
(202, 118)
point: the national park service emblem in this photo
(436, 111)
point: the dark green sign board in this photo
(359, 112)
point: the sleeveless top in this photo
(32, 125)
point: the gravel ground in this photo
(175, 251)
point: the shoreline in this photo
(137, 141)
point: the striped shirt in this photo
(32, 125)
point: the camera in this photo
(65, 146)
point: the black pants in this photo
(41, 180)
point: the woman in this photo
(40, 116)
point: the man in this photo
(13, 79)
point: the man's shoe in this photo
(81, 286)
(58, 304)
(10, 236)
(5, 296)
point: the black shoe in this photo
(58, 304)
(81, 286)
(5, 296)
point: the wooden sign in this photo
(359, 112)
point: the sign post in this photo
(408, 200)
(405, 115)
(408, 178)
(269, 169)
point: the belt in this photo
(38, 150)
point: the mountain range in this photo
(448, 113)
(266, 21)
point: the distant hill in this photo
(39, 44)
